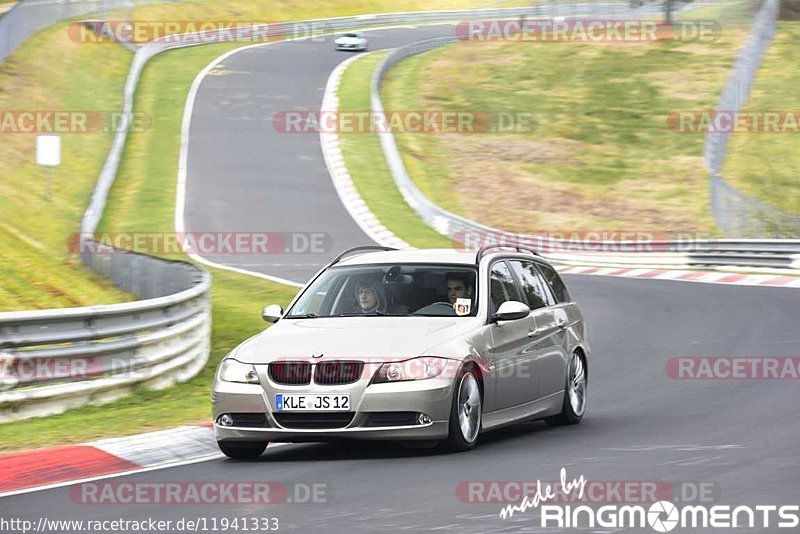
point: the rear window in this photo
(555, 283)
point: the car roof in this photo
(450, 256)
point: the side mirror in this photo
(272, 313)
(511, 310)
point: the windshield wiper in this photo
(370, 314)
(302, 316)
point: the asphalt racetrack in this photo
(738, 437)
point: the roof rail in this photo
(356, 249)
(520, 248)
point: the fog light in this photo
(225, 420)
(423, 419)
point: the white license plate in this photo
(300, 403)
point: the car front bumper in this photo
(350, 47)
(431, 397)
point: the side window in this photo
(555, 283)
(532, 284)
(502, 285)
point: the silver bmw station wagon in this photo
(430, 345)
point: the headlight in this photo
(414, 369)
(232, 371)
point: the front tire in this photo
(242, 450)
(465, 413)
(575, 399)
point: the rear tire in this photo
(575, 399)
(242, 450)
(465, 413)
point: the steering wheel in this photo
(437, 308)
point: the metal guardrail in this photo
(767, 254)
(51, 360)
(29, 16)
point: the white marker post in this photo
(48, 154)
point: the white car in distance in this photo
(355, 41)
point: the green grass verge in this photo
(50, 73)
(365, 162)
(283, 10)
(601, 154)
(767, 165)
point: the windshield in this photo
(390, 290)
(351, 35)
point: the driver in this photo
(368, 298)
(458, 287)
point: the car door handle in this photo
(561, 323)
(536, 332)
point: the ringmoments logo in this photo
(661, 516)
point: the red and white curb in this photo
(27, 471)
(707, 277)
(342, 181)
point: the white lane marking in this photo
(112, 475)
(180, 195)
(682, 448)
(215, 456)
